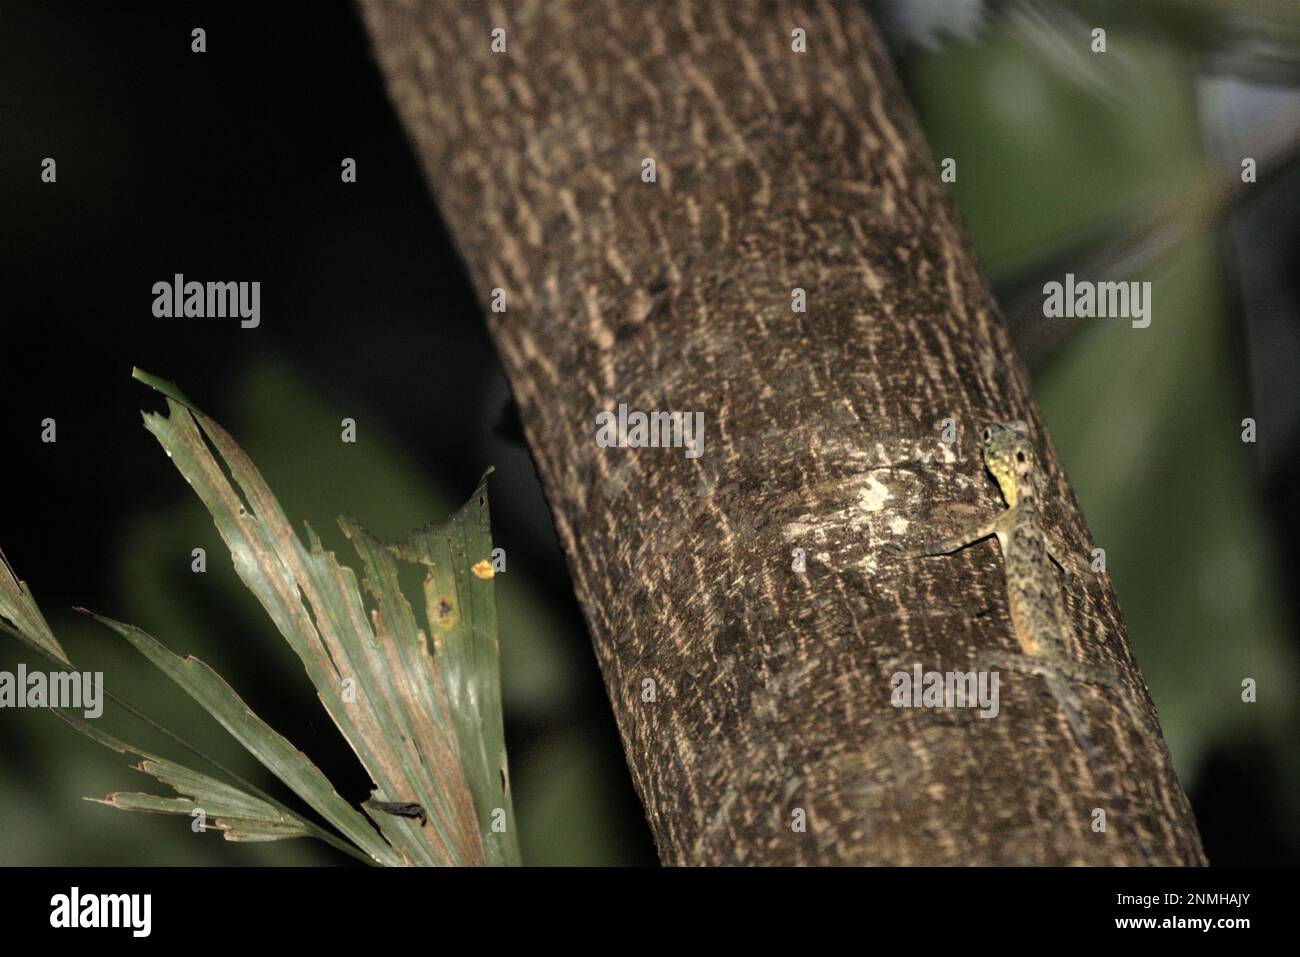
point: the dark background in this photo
(225, 166)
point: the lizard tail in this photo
(1068, 697)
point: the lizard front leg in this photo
(1071, 566)
(969, 537)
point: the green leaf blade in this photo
(270, 748)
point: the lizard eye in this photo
(1020, 456)
(988, 435)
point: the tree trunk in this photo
(750, 695)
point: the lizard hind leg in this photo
(1059, 677)
(1074, 671)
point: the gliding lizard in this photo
(1037, 607)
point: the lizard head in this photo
(1009, 456)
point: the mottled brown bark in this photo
(775, 170)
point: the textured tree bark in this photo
(776, 170)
